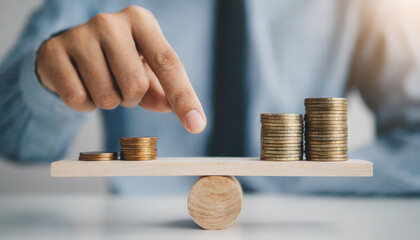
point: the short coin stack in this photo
(281, 137)
(142, 148)
(326, 129)
(98, 156)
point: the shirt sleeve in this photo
(36, 126)
(386, 70)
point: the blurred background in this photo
(36, 178)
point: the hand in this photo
(122, 59)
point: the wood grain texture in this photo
(215, 202)
(204, 166)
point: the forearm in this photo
(35, 124)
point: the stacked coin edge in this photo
(326, 129)
(139, 149)
(98, 156)
(281, 137)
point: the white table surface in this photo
(160, 217)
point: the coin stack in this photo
(98, 156)
(326, 129)
(281, 137)
(142, 148)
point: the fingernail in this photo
(195, 121)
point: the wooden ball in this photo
(215, 201)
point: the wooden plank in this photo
(201, 166)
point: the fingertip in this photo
(196, 123)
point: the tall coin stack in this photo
(281, 137)
(143, 148)
(326, 129)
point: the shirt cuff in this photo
(39, 100)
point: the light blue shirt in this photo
(297, 49)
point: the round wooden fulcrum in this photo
(215, 202)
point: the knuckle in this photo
(75, 98)
(139, 12)
(103, 20)
(135, 88)
(166, 61)
(108, 100)
(182, 95)
(49, 48)
(75, 35)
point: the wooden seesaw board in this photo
(208, 166)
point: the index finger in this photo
(168, 68)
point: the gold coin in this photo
(326, 107)
(330, 110)
(326, 135)
(325, 143)
(327, 158)
(326, 99)
(326, 131)
(326, 128)
(282, 134)
(282, 151)
(291, 144)
(135, 139)
(282, 125)
(287, 119)
(281, 156)
(280, 159)
(322, 104)
(281, 142)
(286, 130)
(316, 136)
(282, 129)
(154, 143)
(320, 113)
(138, 159)
(139, 148)
(280, 115)
(296, 149)
(309, 119)
(286, 139)
(326, 155)
(291, 119)
(335, 145)
(138, 153)
(97, 159)
(98, 153)
(326, 122)
(325, 152)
